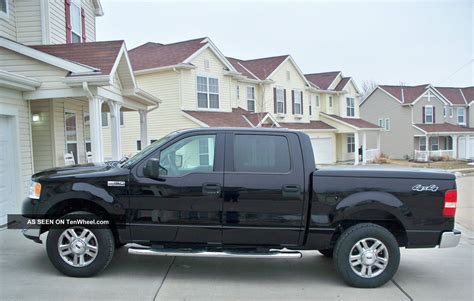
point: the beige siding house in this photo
(52, 95)
(423, 122)
(200, 87)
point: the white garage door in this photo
(463, 151)
(322, 148)
(6, 168)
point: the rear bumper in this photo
(450, 239)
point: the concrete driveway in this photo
(424, 274)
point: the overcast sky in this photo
(387, 42)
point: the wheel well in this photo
(71, 205)
(378, 217)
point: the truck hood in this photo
(386, 172)
(74, 170)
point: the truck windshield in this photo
(147, 150)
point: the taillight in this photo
(450, 199)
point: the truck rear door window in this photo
(261, 153)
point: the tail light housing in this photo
(450, 200)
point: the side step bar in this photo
(220, 254)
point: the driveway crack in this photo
(402, 290)
(164, 278)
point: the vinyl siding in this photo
(8, 24)
(28, 22)
(43, 149)
(13, 100)
(418, 109)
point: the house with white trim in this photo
(423, 122)
(201, 87)
(55, 84)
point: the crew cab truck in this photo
(252, 193)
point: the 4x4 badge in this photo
(116, 183)
(420, 187)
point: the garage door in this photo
(463, 152)
(6, 168)
(322, 148)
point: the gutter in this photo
(165, 68)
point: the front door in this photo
(184, 205)
(264, 189)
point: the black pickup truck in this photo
(240, 193)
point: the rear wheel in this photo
(327, 252)
(79, 251)
(367, 255)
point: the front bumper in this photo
(32, 233)
(450, 239)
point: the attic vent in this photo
(206, 64)
(288, 77)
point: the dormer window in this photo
(350, 107)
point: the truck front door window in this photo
(192, 154)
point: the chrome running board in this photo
(221, 254)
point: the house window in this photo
(205, 155)
(297, 95)
(208, 92)
(105, 119)
(238, 92)
(76, 21)
(387, 124)
(428, 114)
(445, 111)
(350, 107)
(350, 143)
(280, 100)
(381, 124)
(434, 143)
(317, 101)
(461, 116)
(71, 133)
(251, 99)
(87, 132)
(4, 8)
(310, 107)
(422, 145)
(330, 101)
(451, 113)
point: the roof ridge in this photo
(321, 73)
(264, 58)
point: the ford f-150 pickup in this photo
(248, 193)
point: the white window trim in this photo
(350, 108)
(108, 119)
(330, 102)
(381, 123)
(84, 134)
(433, 139)
(282, 101)
(463, 116)
(66, 142)
(238, 92)
(5, 15)
(350, 141)
(251, 99)
(451, 112)
(208, 93)
(317, 101)
(387, 124)
(298, 92)
(422, 138)
(76, 3)
(426, 115)
(445, 111)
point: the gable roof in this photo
(262, 68)
(322, 80)
(405, 94)
(99, 55)
(454, 95)
(468, 93)
(342, 84)
(155, 55)
(239, 66)
(353, 122)
(443, 128)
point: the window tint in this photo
(192, 154)
(261, 153)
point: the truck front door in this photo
(263, 189)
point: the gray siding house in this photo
(423, 122)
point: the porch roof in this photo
(442, 128)
(356, 123)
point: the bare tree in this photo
(367, 87)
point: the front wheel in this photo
(79, 251)
(367, 255)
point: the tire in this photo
(93, 261)
(351, 255)
(327, 252)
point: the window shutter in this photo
(302, 102)
(67, 8)
(83, 16)
(284, 93)
(434, 114)
(275, 100)
(423, 115)
(293, 102)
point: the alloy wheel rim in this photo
(78, 246)
(368, 257)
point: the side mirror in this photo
(152, 169)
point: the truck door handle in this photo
(291, 188)
(211, 188)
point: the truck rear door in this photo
(263, 189)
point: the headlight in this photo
(35, 190)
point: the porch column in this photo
(378, 143)
(364, 147)
(115, 130)
(356, 153)
(143, 128)
(428, 148)
(468, 153)
(455, 146)
(95, 115)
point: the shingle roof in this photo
(224, 119)
(263, 67)
(357, 122)
(454, 95)
(405, 94)
(340, 86)
(238, 65)
(468, 94)
(312, 125)
(322, 80)
(155, 55)
(443, 128)
(100, 55)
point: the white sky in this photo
(388, 42)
